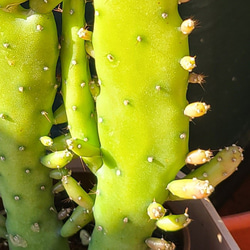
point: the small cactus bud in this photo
(159, 244)
(46, 141)
(63, 213)
(85, 237)
(190, 188)
(196, 109)
(173, 222)
(187, 26)
(156, 211)
(57, 174)
(199, 156)
(57, 188)
(85, 34)
(188, 63)
(57, 159)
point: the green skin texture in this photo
(136, 49)
(27, 88)
(79, 103)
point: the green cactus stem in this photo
(28, 58)
(141, 122)
(79, 103)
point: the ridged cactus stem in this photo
(142, 126)
(79, 103)
(28, 57)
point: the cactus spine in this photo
(25, 187)
(142, 126)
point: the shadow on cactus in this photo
(129, 123)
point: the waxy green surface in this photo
(142, 128)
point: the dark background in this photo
(221, 44)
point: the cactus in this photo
(29, 52)
(129, 124)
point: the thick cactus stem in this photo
(143, 88)
(28, 58)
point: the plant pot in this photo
(207, 230)
(239, 227)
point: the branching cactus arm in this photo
(79, 103)
(224, 164)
